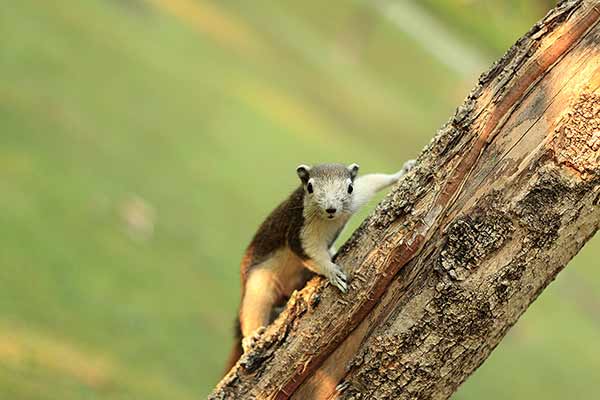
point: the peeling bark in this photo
(501, 199)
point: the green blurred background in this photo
(143, 141)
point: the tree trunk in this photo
(502, 198)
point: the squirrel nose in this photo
(331, 210)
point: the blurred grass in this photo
(490, 25)
(189, 117)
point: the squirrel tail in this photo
(236, 351)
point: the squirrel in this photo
(296, 241)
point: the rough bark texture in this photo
(501, 199)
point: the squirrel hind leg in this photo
(260, 297)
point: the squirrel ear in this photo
(303, 171)
(353, 168)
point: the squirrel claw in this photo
(250, 341)
(339, 280)
(408, 166)
(405, 169)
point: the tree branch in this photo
(499, 202)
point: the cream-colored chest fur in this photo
(317, 233)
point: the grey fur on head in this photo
(329, 170)
(328, 189)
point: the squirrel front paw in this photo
(408, 166)
(249, 341)
(405, 169)
(338, 278)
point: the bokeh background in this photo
(143, 141)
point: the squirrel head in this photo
(328, 189)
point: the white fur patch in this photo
(318, 232)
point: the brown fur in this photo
(276, 232)
(281, 228)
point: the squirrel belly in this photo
(296, 241)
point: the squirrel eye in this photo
(350, 189)
(309, 188)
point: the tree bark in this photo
(502, 198)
